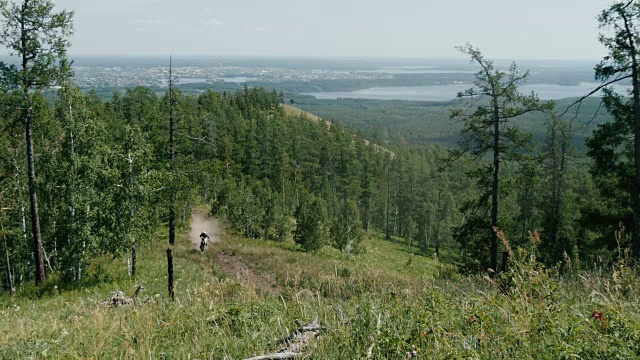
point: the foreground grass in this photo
(243, 296)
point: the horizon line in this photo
(307, 57)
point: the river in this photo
(449, 92)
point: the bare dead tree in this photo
(172, 155)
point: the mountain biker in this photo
(204, 239)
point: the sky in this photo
(505, 29)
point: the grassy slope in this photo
(294, 111)
(291, 110)
(244, 295)
(214, 314)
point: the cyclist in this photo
(204, 239)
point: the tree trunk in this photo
(636, 151)
(333, 193)
(397, 218)
(554, 190)
(367, 213)
(284, 190)
(635, 229)
(172, 158)
(387, 230)
(505, 257)
(38, 256)
(10, 282)
(133, 261)
(494, 195)
(440, 218)
(525, 210)
(559, 191)
(170, 274)
(12, 287)
(295, 187)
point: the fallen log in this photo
(296, 343)
(277, 356)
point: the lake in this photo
(186, 81)
(238, 79)
(416, 70)
(449, 92)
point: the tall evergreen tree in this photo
(347, 228)
(487, 127)
(622, 63)
(39, 37)
(311, 230)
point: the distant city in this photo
(421, 79)
(123, 77)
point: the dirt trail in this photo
(201, 221)
(231, 265)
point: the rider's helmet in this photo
(205, 232)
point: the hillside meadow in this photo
(243, 296)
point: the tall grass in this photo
(385, 304)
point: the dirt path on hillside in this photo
(238, 269)
(201, 221)
(230, 264)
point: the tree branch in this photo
(204, 139)
(598, 88)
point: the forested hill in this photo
(104, 177)
(292, 110)
(381, 242)
(429, 122)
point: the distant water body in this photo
(449, 92)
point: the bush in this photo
(346, 231)
(311, 223)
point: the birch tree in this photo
(39, 38)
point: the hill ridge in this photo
(292, 110)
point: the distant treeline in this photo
(104, 177)
(429, 122)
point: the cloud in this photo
(152, 22)
(213, 22)
(255, 28)
(207, 10)
(143, 2)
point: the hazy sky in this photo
(510, 29)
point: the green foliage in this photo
(346, 231)
(39, 37)
(73, 198)
(488, 129)
(374, 307)
(32, 31)
(312, 230)
(615, 146)
(425, 123)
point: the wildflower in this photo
(423, 334)
(598, 315)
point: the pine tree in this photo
(487, 128)
(346, 231)
(622, 63)
(311, 223)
